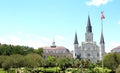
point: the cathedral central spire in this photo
(89, 27)
(88, 34)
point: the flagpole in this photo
(102, 47)
(101, 26)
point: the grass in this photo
(52, 69)
(1, 70)
(68, 70)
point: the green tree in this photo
(50, 61)
(8, 63)
(33, 60)
(18, 60)
(11, 49)
(39, 51)
(118, 57)
(76, 62)
(2, 59)
(12, 61)
(111, 61)
(64, 62)
(118, 70)
(5, 49)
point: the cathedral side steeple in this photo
(76, 46)
(102, 46)
(76, 39)
(89, 34)
(102, 39)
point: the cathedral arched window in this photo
(79, 55)
(97, 54)
(97, 60)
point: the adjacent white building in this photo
(88, 49)
(116, 49)
(56, 51)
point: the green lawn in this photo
(1, 70)
(68, 70)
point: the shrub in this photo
(118, 70)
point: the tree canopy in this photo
(22, 50)
(112, 60)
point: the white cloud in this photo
(97, 2)
(32, 40)
(35, 41)
(19, 33)
(13, 38)
(58, 37)
(45, 39)
(63, 41)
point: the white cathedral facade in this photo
(89, 50)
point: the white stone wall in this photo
(88, 37)
(88, 51)
(116, 50)
(102, 51)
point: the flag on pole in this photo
(102, 15)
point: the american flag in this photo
(102, 15)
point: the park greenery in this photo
(24, 59)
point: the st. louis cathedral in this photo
(89, 50)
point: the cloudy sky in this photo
(37, 23)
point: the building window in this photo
(75, 54)
(97, 60)
(88, 54)
(97, 54)
(79, 56)
(87, 39)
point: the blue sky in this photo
(37, 23)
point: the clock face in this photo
(88, 38)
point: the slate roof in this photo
(116, 48)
